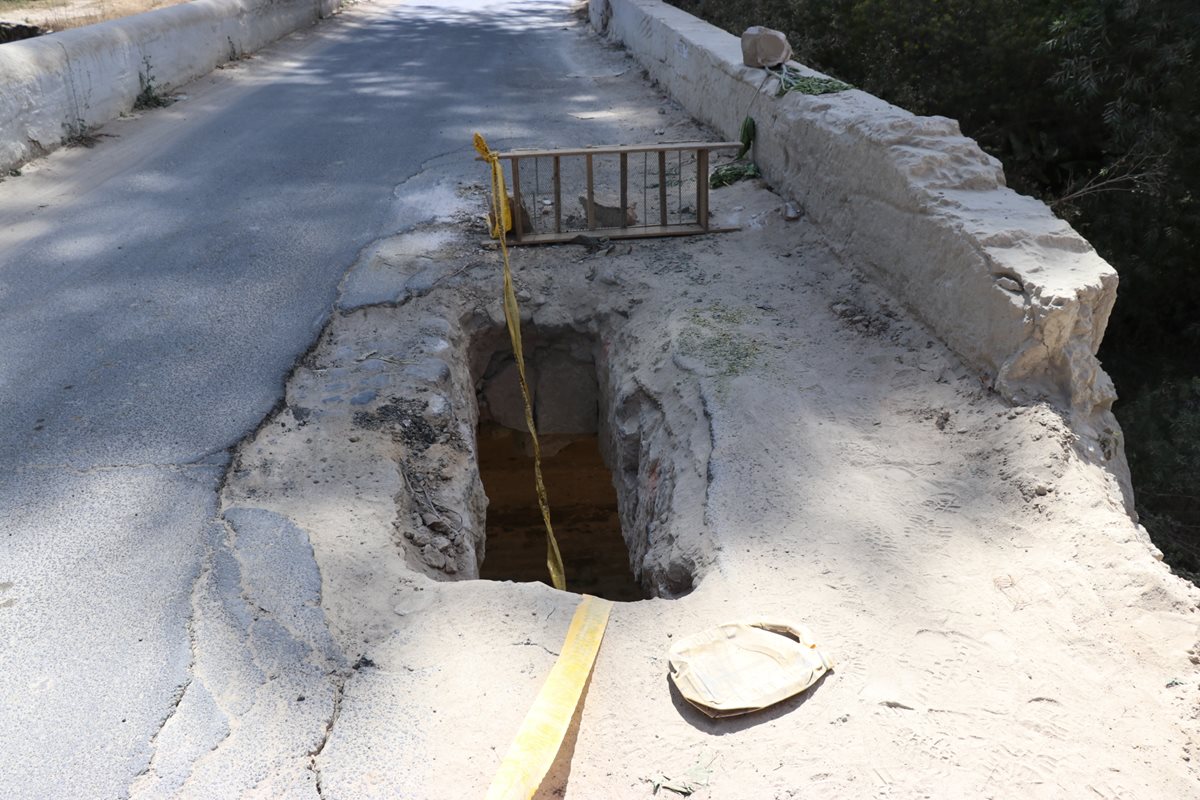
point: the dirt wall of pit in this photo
(1010, 287)
(55, 86)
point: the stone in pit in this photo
(566, 395)
(503, 395)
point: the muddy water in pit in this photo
(583, 508)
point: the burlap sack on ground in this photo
(741, 667)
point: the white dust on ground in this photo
(1000, 627)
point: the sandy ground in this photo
(1001, 629)
(999, 625)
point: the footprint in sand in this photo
(944, 503)
(920, 526)
(1007, 586)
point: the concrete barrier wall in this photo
(1010, 287)
(54, 86)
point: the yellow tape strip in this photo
(532, 753)
(502, 222)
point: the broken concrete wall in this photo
(56, 86)
(1014, 290)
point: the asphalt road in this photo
(155, 291)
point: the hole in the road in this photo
(568, 407)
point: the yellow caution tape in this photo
(538, 741)
(501, 223)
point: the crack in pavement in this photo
(141, 781)
(339, 694)
(264, 666)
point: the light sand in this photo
(1000, 627)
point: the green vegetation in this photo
(791, 80)
(151, 95)
(732, 172)
(713, 339)
(1094, 107)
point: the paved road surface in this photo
(154, 292)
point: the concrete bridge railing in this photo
(56, 86)
(1014, 290)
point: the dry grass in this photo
(57, 15)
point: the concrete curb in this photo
(55, 86)
(1010, 287)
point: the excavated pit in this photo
(586, 521)
(565, 393)
(571, 396)
(614, 452)
(402, 450)
(613, 455)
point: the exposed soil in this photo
(990, 606)
(587, 523)
(783, 442)
(57, 15)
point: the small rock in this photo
(1008, 284)
(792, 212)
(608, 276)
(434, 344)
(608, 211)
(763, 47)
(437, 406)
(433, 557)
(431, 370)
